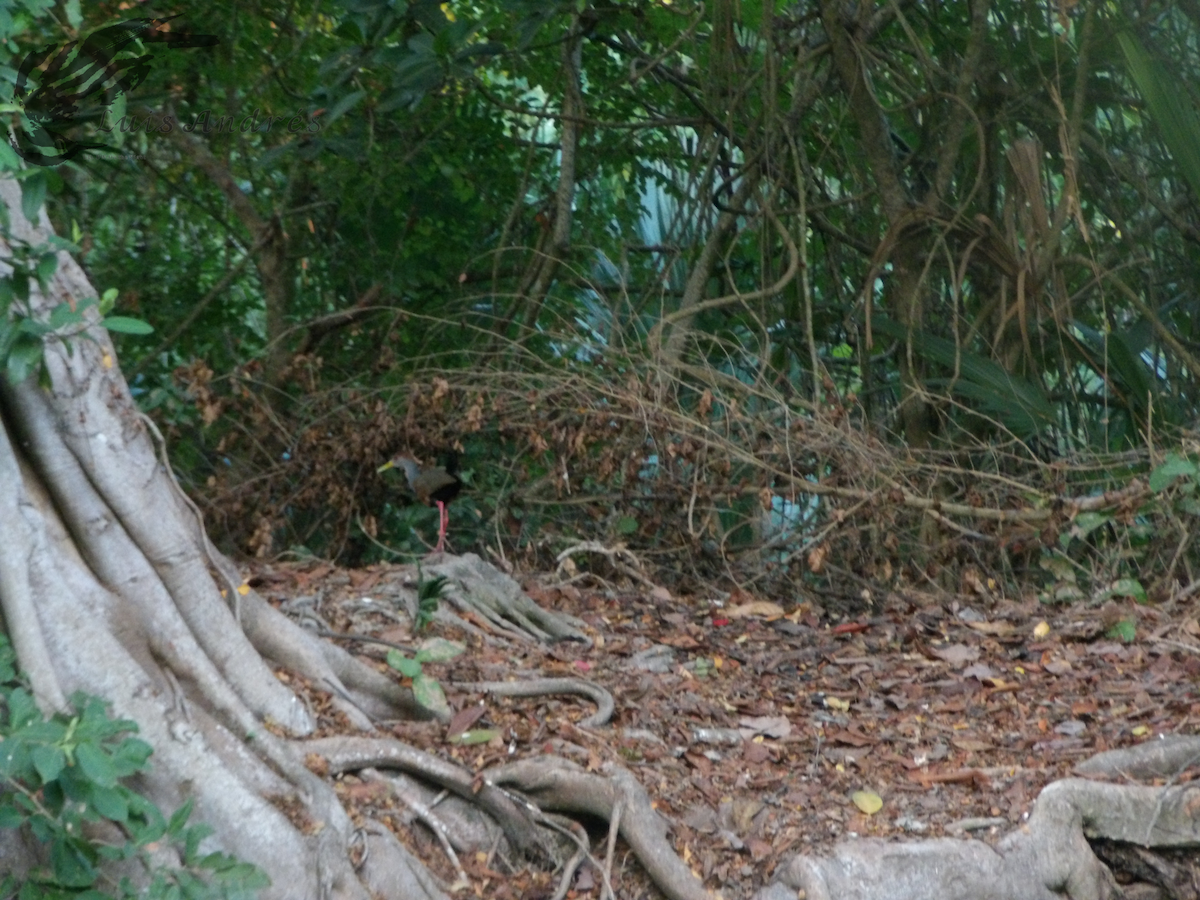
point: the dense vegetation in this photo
(661, 270)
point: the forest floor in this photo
(759, 733)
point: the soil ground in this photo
(761, 731)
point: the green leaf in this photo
(145, 821)
(1125, 630)
(1019, 404)
(34, 327)
(130, 755)
(429, 694)
(33, 194)
(1169, 107)
(107, 301)
(20, 286)
(61, 243)
(95, 764)
(126, 325)
(49, 762)
(213, 861)
(474, 736)
(110, 802)
(46, 267)
(438, 650)
(1174, 466)
(63, 315)
(342, 107)
(627, 525)
(22, 710)
(431, 588)
(24, 358)
(71, 864)
(10, 816)
(9, 161)
(407, 667)
(1127, 587)
(1087, 522)
(179, 818)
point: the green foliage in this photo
(62, 776)
(1173, 113)
(426, 689)
(1056, 302)
(22, 334)
(1020, 405)
(429, 592)
(1175, 468)
(1115, 554)
(1124, 630)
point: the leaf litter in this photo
(757, 730)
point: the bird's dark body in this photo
(432, 485)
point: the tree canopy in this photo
(504, 226)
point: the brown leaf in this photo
(754, 752)
(956, 654)
(680, 641)
(970, 744)
(465, 718)
(764, 608)
(1057, 666)
(851, 737)
(759, 850)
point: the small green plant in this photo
(429, 592)
(63, 774)
(426, 689)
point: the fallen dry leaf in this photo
(764, 608)
(868, 801)
(992, 627)
(956, 654)
(767, 726)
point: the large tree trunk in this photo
(105, 587)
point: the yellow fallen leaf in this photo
(868, 801)
(1041, 629)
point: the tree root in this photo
(389, 870)
(482, 590)
(1048, 858)
(552, 784)
(541, 687)
(345, 754)
(1165, 757)
(561, 785)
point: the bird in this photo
(433, 486)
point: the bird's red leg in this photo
(443, 521)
